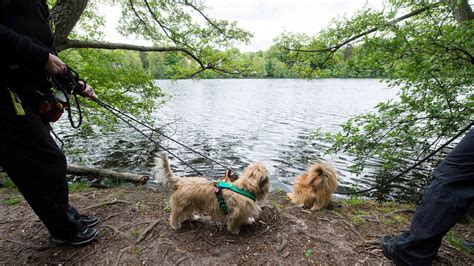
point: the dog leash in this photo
(120, 113)
(72, 78)
(465, 129)
(112, 111)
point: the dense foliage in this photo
(428, 56)
(261, 64)
(180, 32)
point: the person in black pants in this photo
(28, 153)
(445, 200)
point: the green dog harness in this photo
(219, 186)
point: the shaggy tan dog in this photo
(314, 188)
(195, 195)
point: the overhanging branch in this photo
(118, 46)
(374, 29)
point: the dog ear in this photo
(263, 180)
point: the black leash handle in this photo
(413, 166)
(68, 83)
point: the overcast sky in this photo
(267, 18)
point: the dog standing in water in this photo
(197, 195)
(314, 188)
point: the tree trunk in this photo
(462, 10)
(65, 16)
(101, 174)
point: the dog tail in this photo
(162, 170)
(323, 177)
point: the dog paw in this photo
(175, 226)
(251, 220)
(290, 196)
(195, 217)
(234, 232)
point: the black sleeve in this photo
(22, 47)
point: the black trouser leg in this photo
(444, 202)
(37, 166)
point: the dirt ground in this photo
(135, 230)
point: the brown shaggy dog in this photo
(195, 195)
(314, 188)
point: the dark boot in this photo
(85, 236)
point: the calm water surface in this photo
(237, 122)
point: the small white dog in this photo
(197, 195)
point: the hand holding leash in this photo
(87, 91)
(54, 65)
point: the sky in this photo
(266, 19)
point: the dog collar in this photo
(224, 185)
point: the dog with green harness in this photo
(233, 204)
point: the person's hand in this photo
(55, 65)
(87, 91)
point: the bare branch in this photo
(374, 29)
(187, 3)
(117, 46)
(139, 18)
(162, 26)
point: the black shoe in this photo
(88, 221)
(84, 236)
(469, 244)
(387, 249)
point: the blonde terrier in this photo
(197, 195)
(314, 188)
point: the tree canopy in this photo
(426, 50)
(181, 27)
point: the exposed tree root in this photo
(107, 203)
(147, 231)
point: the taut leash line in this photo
(413, 166)
(105, 106)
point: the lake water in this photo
(239, 121)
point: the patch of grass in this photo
(278, 190)
(113, 182)
(394, 220)
(136, 250)
(309, 253)
(456, 240)
(386, 221)
(355, 201)
(7, 182)
(468, 218)
(360, 212)
(142, 207)
(167, 208)
(356, 219)
(13, 200)
(276, 205)
(135, 232)
(77, 186)
(400, 219)
(390, 206)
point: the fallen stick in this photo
(101, 174)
